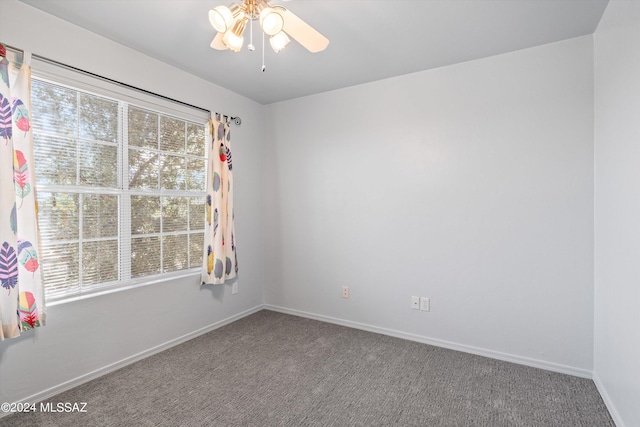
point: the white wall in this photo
(89, 335)
(470, 184)
(617, 210)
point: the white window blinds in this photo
(120, 184)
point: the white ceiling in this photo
(369, 39)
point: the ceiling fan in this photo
(276, 21)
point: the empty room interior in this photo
(320, 212)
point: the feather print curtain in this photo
(220, 260)
(21, 291)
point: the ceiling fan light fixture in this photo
(277, 22)
(279, 41)
(271, 21)
(233, 42)
(220, 18)
(233, 38)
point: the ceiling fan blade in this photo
(303, 33)
(217, 42)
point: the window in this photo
(121, 189)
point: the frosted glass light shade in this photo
(233, 42)
(233, 38)
(279, 41)
(220, 18)
(271, 21)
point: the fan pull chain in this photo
(264, 67)
(251, 47)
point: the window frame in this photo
(124, 96)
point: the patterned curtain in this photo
(220, 260)
(21, 291)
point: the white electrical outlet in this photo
(415, 303)
(234, 288)
(345, 292)
(424, 304)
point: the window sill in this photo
(133, 284)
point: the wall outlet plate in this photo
(415, 303)
(234, 288)
(345, 292)
(425, 304)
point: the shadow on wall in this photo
(217, 291)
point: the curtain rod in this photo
(119, 83)
(236, 120)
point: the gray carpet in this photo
(272, 369)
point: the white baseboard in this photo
(67, 385)
(549, 366)
(607, 400)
